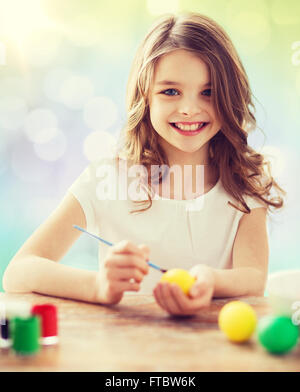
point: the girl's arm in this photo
(250, 259)
(35, 266)
(247, 277)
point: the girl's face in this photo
(181, 94)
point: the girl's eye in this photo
(169, 89)
(207, 92)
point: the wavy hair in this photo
(242, 170)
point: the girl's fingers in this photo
(173, 300)
(198, 289)
(182, 301)
(160, 297)
(122, 286)
(202, 300)
(186, 306)
(162, 294)
(127, 261)
(145, 251)
(127, 274)
(157, 296)
(113, 291)
(168, 299)
(129, 247)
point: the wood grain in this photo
(137, 335)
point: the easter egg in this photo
(180, 277)
(277, 334)
(237, 320)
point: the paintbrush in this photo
(111, 244)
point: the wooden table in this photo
(137, 335)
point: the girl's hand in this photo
(172, 299)
(123, 269)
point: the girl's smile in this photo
(189, 129)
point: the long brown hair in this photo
(242, 170)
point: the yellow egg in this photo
(180, 277)
(237, 320)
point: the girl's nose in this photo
(190, 107)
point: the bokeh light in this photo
(26, 165)
(53, 82)
(13, 111)
(99, 144)
(75, 91)
(296, 53)
(40, 125)
(53, 149)
(44, 135)
(14, 85)
(100, 113)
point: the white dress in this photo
(179, 233)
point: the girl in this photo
(189, 106)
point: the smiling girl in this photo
(189, 104)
